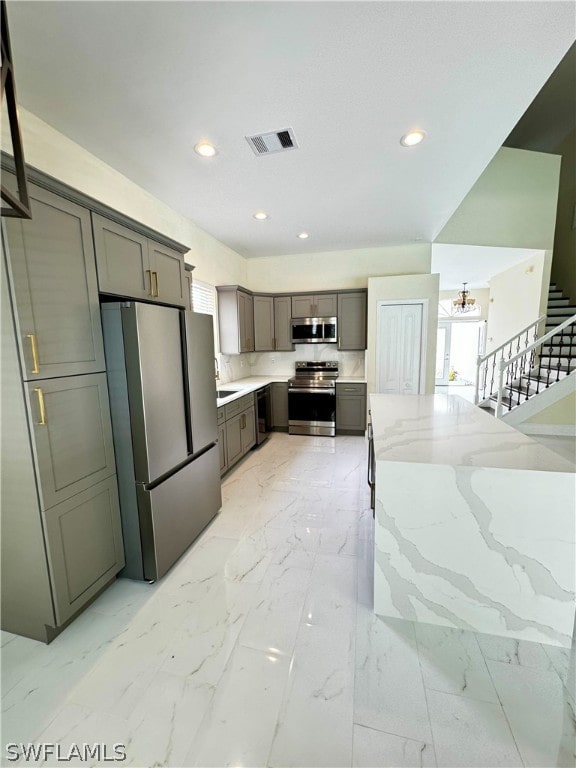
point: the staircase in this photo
(529, 363)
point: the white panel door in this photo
(399, 349)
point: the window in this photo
(203, 297)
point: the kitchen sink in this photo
(226, 392)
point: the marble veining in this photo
(460, 545)
(261, 648)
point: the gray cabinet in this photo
(279, 396)
(222, 448)
(350, 408)
(133, 266)
(264, 335)
(171, 286)
(54, 287)
(84, 546)
(70, 418)
(315, 305)
(235, 320)
(352, 320)
(282, 327)
(238, 432)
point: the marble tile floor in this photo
(260, 648)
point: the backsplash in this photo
(234, 367)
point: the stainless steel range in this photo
(312, 398)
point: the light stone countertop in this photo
(446, 429)
(252, 383)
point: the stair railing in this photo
(487, 366)
(531, 371)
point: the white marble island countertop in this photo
(446, 429)
(474, 522)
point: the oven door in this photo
(307, 330)
(312, 411)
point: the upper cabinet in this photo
(264, 323)
(317, 305)
(136, 267)
(55, 291)
(235, 320)
(352, 320)
(282, 328)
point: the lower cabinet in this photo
(279, 394)
(84, 545)
(237, 431)
(350, 408)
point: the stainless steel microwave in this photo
(314, 330)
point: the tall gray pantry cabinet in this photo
(61, 532)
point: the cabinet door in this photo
(234, 439)
(279, 392)
(84, 543)
(302, 306)
(352, 320)
(351, 413)
(282, 329)
(248, 429)
(263, 323)
(326, 305)
(122, 260)
(246, 321)
(55, 291)
(222, 448)
(169, 281)
(72, 435)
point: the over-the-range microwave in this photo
(314, 330)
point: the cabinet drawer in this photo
(221, 414)
(70, 418)
(237, 406)
(84, 541)
(343, 389)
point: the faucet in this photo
(217, 370)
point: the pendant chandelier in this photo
(463, 303)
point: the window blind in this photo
(203, 297)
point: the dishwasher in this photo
(263, 408)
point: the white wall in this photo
(50, 151)
(403, 287)
(513, 203)
(518, 296)
(336, 269)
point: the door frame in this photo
(423, 335)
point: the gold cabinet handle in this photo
(149, 273)
(35, 363)
(41, 405)
(157, 284)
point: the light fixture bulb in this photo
(303, 235)
(412, 138)
(205, 149)
(260, 215)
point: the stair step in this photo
(555, 294)
(566, 311)
(558, 302)
(570, 330)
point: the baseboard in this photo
(559, 430)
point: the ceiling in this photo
(475, 264)
(138, 84)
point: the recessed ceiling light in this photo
(205, 149)
(303, 235)
(260, 215)
(412, 138)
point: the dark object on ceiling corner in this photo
(18, 206)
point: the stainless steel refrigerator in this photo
(160, 366)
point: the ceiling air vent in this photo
(276, 141)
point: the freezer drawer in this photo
(176, 511)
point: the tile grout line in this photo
(425, 694)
